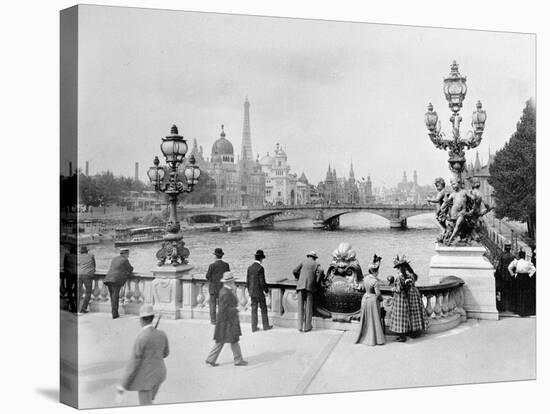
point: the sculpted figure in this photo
(439, 199)
(456, 208)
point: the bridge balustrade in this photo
(443, 302)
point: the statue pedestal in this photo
(469, 264)
(167, 289)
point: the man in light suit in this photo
(146, 369)
(118, 274)
(214, 275)
(257, 289)
(308, 274)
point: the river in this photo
(286, 244)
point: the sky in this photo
(328, 92)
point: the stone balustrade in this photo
(443, 301)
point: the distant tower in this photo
(136, 172)
(415, 178)
(87, 169)
(70, 169)
(246, 150)
(404, 176)
(477, 165)
(351, 172)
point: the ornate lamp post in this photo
(173, 147)
(455, 91)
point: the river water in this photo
(286, 244)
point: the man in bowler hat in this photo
(146, 369)
(308, 273)
(228, 328)
(119, 272)
(214, 275)
(257, 289)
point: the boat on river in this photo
(129, 236)
(231, 225)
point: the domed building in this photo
(238, 184)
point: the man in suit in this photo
(228, 328)
(308, 274)
(119, 272)
(214, 275)
(503, 280)
(146, 369)
(257, 289)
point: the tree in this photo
(513, 173)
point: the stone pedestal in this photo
(469, 264)
(167, 289)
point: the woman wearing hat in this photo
(408, 315)
(228, 328)
(371, 331)
(146, 370)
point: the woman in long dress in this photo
(371, 331)
(408, 316)
(524, 285)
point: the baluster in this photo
(460, 302)
(104, 292)
(138, 297)
(452, 303)
(429, 309)
(128, 292)
(96, 291)
(268, 299)
(206, 296)
(437, 307)
(200, 296)
(444, 304)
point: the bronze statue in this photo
(439, 199)
(463, 211)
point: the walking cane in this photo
(158, 320)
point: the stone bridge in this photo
(323, 216)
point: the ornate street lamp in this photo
(166, 180)
(455, 91)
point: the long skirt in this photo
(371, 331)
(407, 313)
(525, 295)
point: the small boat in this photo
(231, 225)
(128, 236)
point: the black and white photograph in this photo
(336, 202)
(252, 205)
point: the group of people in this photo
(78, 271)
(515, 280)
(408, 315)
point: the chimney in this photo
(87, 169)
(136, 173)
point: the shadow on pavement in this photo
(49, 393)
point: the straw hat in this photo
(227, 277)
(146, 310)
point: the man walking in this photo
(86, 270)
(257, 289)
(118, 274)
(146, 370)
(308, 274)
(503, 280)
(213, 275)
(228, 328)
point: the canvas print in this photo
(260, 206)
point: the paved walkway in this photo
(285, 362)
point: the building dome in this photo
(222, 148)
(267, 160)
